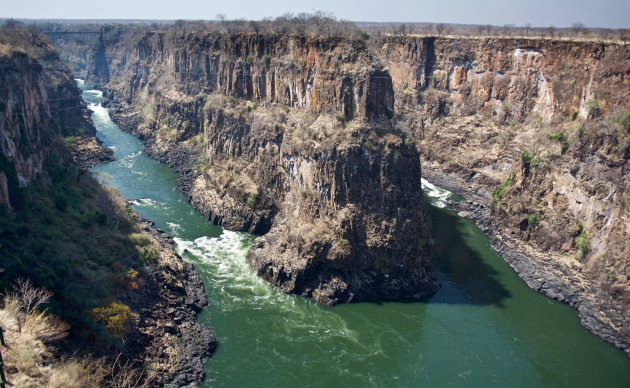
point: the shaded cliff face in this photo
(39, 101)
(539, 132)
(293, 139)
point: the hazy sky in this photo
(560, 13)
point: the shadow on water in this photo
(457, 256)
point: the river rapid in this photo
(483, 327)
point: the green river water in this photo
(483, 327)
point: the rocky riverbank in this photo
(558, 277)
(167, 335)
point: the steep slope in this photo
(68, 234)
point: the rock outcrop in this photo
(167, 334)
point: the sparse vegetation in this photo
(582, 242)
(410, 142)
(252, 198)
(533, 219)
(344, 247)
(560, 137)
(30, 358)
(499, 192)
(201, 164)
(594, 107)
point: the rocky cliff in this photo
(40, 105)
(537, 133)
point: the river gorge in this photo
(484, 325)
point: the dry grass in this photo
(30, 362)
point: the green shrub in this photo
(201, 163)
(70, 141)
(574, 115)
(410, 141)
(139, 239)
(344, 247)
(252, 198)
(534, 219)
(594, 107)
(623, 121)
(526, 157)
(267, 60)
(582, 244)
(564, 142)
(249, 60)
(497, 194)
(115, 316)
(367, 144)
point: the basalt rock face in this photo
(515, 79)
(39, 102)
(294, 139)
(537, 132)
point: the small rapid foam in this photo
(175, 228)
(224, 260)
(97, 93)
(148, 202)
(100, 112)
(438, 195)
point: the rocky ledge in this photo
(88, 152)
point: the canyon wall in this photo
(533, 133)
(537, 132)
(40, 105)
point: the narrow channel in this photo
(484, 326)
